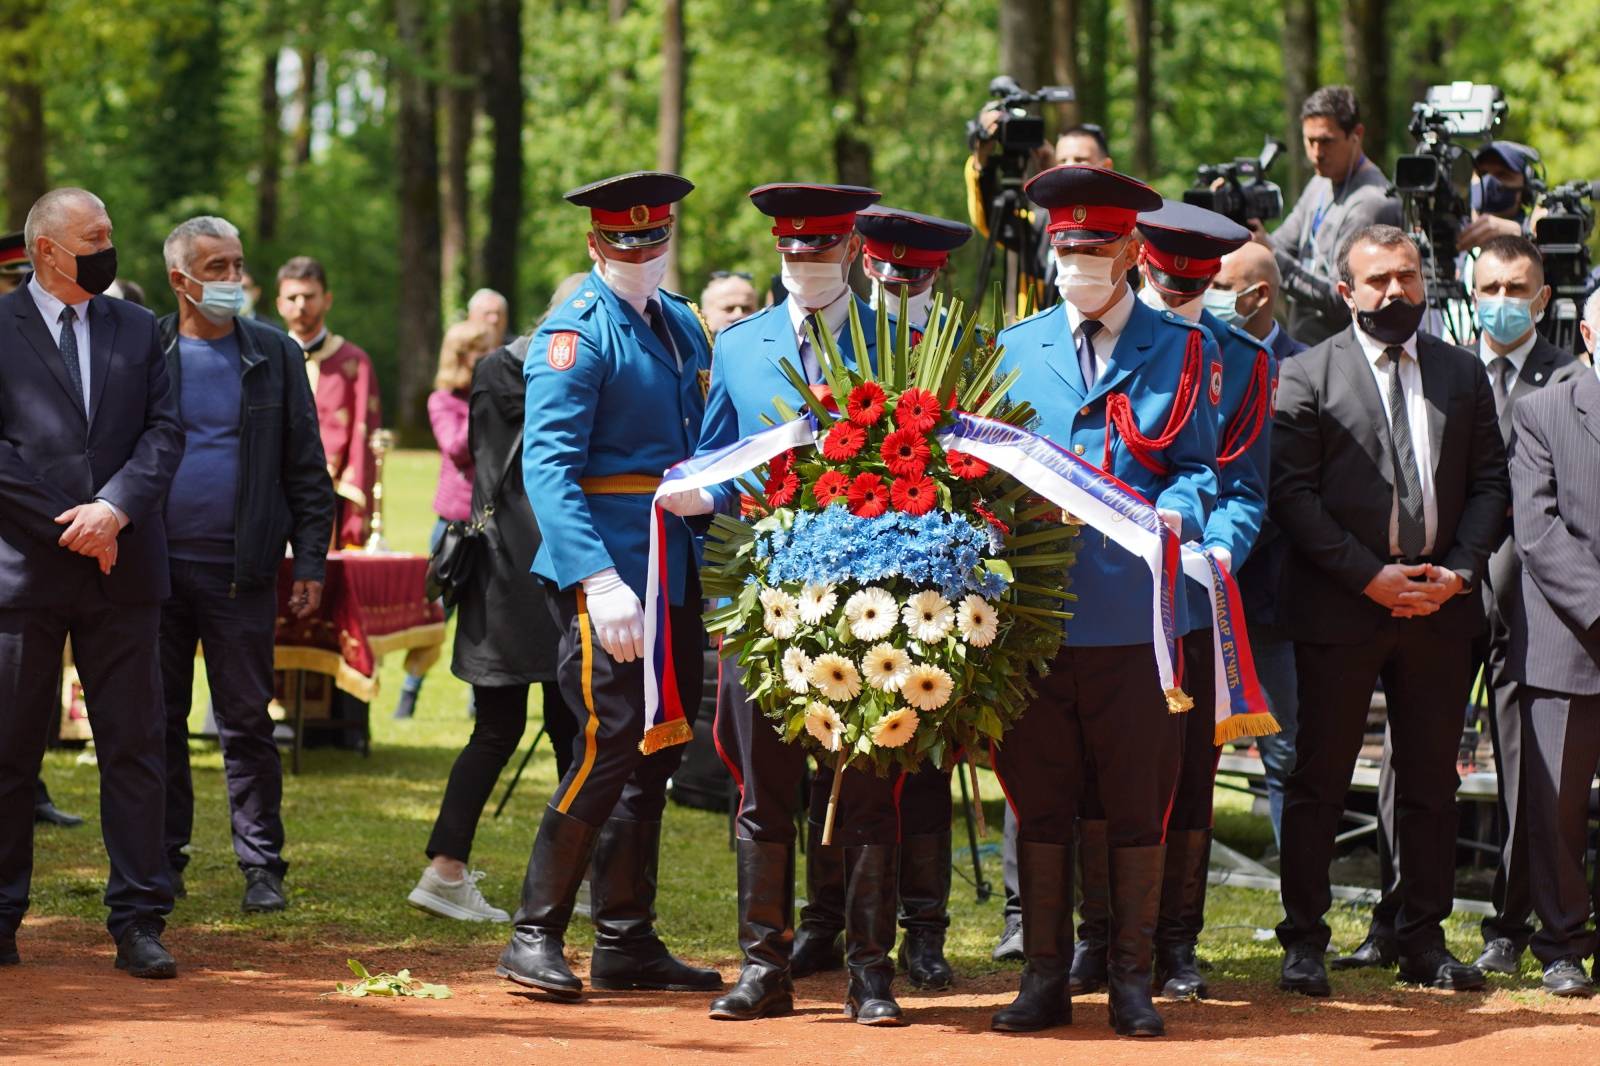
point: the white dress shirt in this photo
(1112, 323)
(1517, 357)
(834, 316)
(1421, 440)
(50, 310)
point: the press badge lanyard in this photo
(1308, 244)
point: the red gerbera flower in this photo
(964, 466)
(843, 441)
(779, 465)
(869, 497)
(914, 495)
(918, 409)
(866, 403)
(781, 491)
(906, 453)
(990, 517)
(830, 486)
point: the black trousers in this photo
(1426, 681)
(1563, 735)
(609, 775)
(768, 773)
(1100, 712)
(115, 647)
(1195, 795)
(925, 807)
(235, 629)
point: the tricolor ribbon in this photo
(1241, 707)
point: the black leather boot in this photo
(560, 858)
(816, 941)
(622, 900)
(1094, 910)
(766, 912)
(1182, 914)
(872, 873)
(1044, 874)
(925, 909)
(1135, 901)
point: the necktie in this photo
(658, 326)
(1407, 481)
(69, 353)
(808, 358)
(1499, 380)
(1086, 333)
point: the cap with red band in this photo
(1184, 245)
(808, 217)
(633, 210)
(13, 254)
(1089, 205)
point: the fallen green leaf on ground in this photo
(388, 984)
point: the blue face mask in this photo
(1225, 305)
(220, 301)
(1505, 318)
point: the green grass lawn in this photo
(357, 827)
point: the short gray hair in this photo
(486, 294)
(48, 213)
(1591, 312)
(178, 249)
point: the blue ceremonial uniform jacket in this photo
(746, 377)
(1113, 585)
(605, 398)
(1235, 522)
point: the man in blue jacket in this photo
(1120, 385)
(614, 398)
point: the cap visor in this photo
(809, 242)
(895, 272)
(1175, 285)
(1084, 237)
(637, 238)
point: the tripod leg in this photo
(978, 883)
(523, 765)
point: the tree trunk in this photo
(1025, 41)
(267, 187)
(1064, 57)
(669, 114)
(852, 153)
(22, 125)
(1141, 44)
(1300, 60)
(1094, 17)
(417, 161)
(1366, 63)
(460, 112)
(307, 101)
(504, 100)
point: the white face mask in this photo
(1087, 282)
(634, 282)
(918, 305)
(1151, 297)
(814, 284)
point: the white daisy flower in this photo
(927, 688)
(835, 677)
(871, 613)
(795, 665)
(928, 616)
(895, 729)
(886, 667)
(782, 616)
(978, 621)
(824, 723)
(817, 603)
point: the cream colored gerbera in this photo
(895, 728)
(796, 664)
(885, 667)
(824, 723)
(835, 677)
(871, 614)
(782, 616)
(927, 688)
(928, 616)
(978, 621)
(817, 603)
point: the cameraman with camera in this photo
(1503, 190)
(1349, 193)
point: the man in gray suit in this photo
(1555, 654)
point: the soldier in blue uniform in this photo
(904, 252)
(814, 229)
(614, 398)
(1119, 384)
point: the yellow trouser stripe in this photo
(592, 726)
(619, 485)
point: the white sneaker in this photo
(454, 899)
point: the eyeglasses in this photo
(718, 275)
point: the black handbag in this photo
(456, 556)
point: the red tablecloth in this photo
(372, 604)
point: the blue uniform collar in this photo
(622, 313)
(780, 342)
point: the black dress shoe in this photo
(1500, 955)
(263, 891)
(139, 951)
(1564, 977)
(1437, 968)
(8, 950)
(1303, 971)
(757, 994)
(1377, 950)
(48, 813)
(1010, 944)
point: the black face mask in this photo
(1491, 196)
(1393, 323)
(96, 271)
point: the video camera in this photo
(1239, 189)
(1017, 132)
(1562, 236)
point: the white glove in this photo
(1173, 520)
(688, 503)
(616, 614)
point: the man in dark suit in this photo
(1555, 654)
(89, 441)
(1382, 584)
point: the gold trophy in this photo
(381, 441)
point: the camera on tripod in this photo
(1239, 189)
(1017, 133)
(1562, 236)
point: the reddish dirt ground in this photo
(245, 1001)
